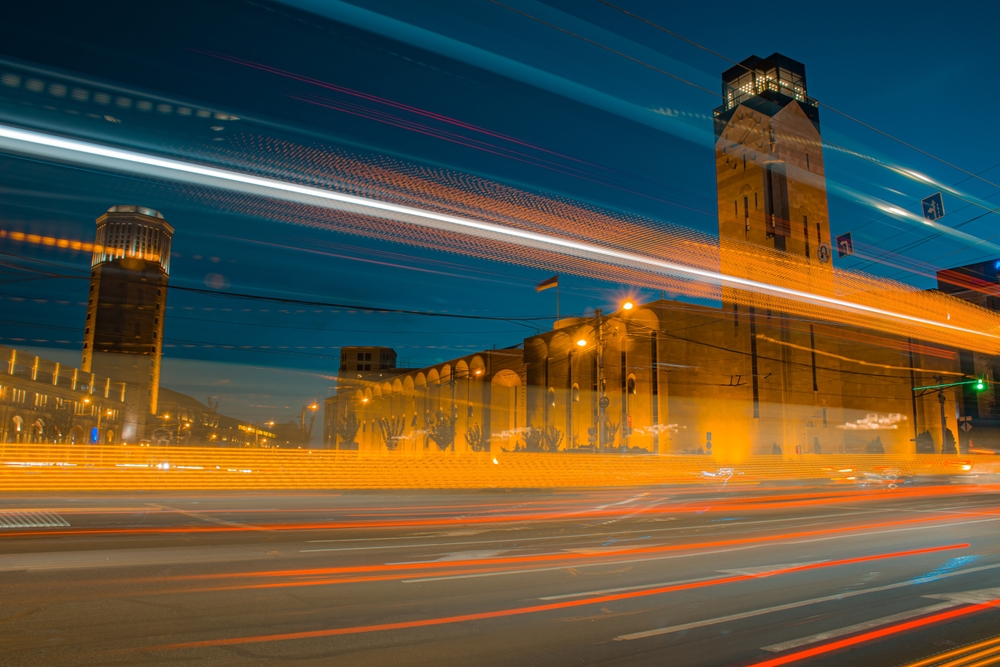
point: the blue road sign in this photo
(933, 206)
(845, 245)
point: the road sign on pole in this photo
(845, 245)
(933, 206)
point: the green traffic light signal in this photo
(980, 384)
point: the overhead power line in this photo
(821, 103)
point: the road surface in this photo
(644, 576)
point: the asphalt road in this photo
(668, 576)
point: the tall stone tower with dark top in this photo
(769, 163)
(123, 336)
(773, 227)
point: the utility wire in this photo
(823, 104)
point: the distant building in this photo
(978, 283)
(481, 392)
(123, 335)
(43, 401)
(182, 420)
(367, 359)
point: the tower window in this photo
(746, 212)
(805, 228)
(808, 168)
(744, 162)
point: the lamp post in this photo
(626, 400)
(99, 412)
(305, 434)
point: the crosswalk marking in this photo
(31, 519)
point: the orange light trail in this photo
(878, 634)
(577, 556)
(534, 609)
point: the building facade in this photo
(471, 403)
(123, 333)
(45, 402)
(675, 378)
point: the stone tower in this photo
(123, 337)
(773, 227)
(769, 166)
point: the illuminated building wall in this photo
(123, 334)
(43, 401)
(673, 378)
(482, 395)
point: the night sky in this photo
(602, 130)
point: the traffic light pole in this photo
(979, 382)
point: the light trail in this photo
(570, 559)
(567, 604)
(878, 634)
(63, 149)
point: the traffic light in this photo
(980, 383)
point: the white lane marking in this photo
(732, 524)
(622, 502)
(970, 597)
(577, 566)
(769, 568)
(482, 554)
(623, 589)
(858, 627)
(654, 558)
(894, 530)
(795, 605)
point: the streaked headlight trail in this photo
(62, 149)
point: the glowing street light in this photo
(628, 305)
(582, 342)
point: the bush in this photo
(442, 430)
(474, 437)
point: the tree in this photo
(551, 439)
(474, 437)
(59, 422)
(392, 431)
(532, 439)
(925, 443)
(347, 428)
(442, 430)
(948, 447)
(875, 446)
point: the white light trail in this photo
(54, 147)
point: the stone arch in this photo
(505, 417)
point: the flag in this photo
(548, 283)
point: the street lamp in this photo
(628, 305)
(303, 423)
(582, 342)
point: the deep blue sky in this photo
(922, 73)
